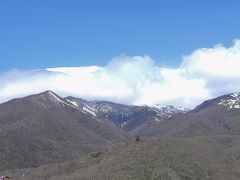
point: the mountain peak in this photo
(48, 92)
(231, 101)
(46, 95)
(48, 98)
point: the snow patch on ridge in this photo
(85, 109)
(170, 108)
(89, 111)
(232, 102)
(73, 102)
(61, 101)
(123, 124)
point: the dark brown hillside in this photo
(44, 128)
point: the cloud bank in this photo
(203, 74)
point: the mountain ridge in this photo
(46, 128)
(124, 116)
(230, 101)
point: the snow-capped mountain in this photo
(228, 102)
(232, 101)
(127, 117)
(170, 109)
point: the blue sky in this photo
(178, 52)
(55, 33)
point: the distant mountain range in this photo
(125, 116)
(46, 128)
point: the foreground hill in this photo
(203, 157)
(45, 128)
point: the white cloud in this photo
(219, 67)
(203, 74)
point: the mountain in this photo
(45, 128)
(229, 102)
(127, 117)
(220, 115)
(173, 143)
